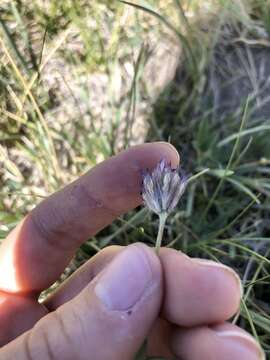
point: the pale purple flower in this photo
(163, 188)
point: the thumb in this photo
(108, 320)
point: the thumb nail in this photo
(126, 279)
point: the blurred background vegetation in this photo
(82, 80)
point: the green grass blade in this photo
(243, 133)
(169, 26)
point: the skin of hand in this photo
(106, 309)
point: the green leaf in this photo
(244, 189)
(221, 173)
(262, 321)
(243, 133)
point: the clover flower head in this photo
(163, 188)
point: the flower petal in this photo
(163, 188)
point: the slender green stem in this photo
(193, 177)
(162, 221)
(228, 167)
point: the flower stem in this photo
(162, 221)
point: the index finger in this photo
(38, 249)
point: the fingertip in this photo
(227, 341)
(232, 289)
(123, 173)
(147, 155)
(170, 254)
(198, 293)
(171, 152)
(238, 336)
(152, 259)
(129, 278)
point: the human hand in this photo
(106, 309)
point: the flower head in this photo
(163, 188)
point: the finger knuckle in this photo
(51, 338)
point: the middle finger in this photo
(198, 291)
